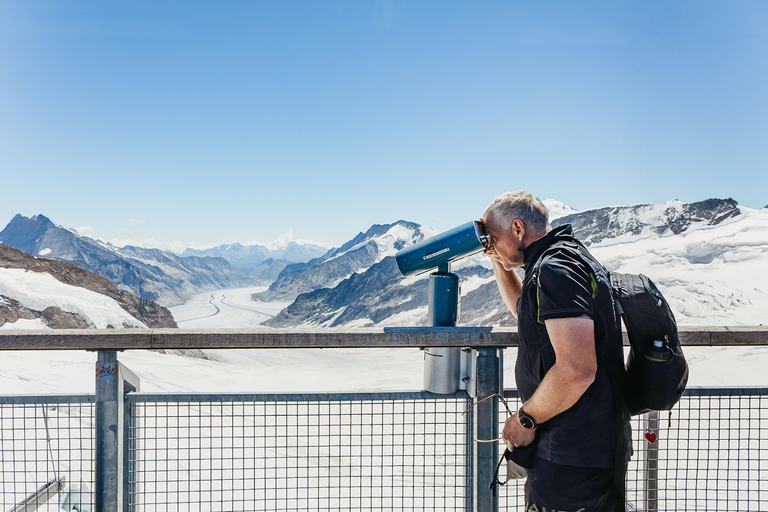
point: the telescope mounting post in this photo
(442, 365)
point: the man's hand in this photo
(514, 434)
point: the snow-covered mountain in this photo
(355, 256)
(149, 273)
(646, 220)
(707, 258)
(40, 293)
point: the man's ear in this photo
(518, 228)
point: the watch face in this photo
(526, 422)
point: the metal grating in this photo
(710, 453)
(393, 451)
(364, 451)
(42, 440)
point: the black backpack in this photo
(655, 376)
(657, 371)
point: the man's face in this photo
(504, 245)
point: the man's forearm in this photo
(510, 285)
(559, 390)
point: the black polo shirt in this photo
(561, 283)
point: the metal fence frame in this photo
(117, 387)
(711, 452)
(320, 452)
(32, 423)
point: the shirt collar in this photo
(533, 251)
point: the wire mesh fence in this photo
(47, 445)
(364, 451)
(395, 451)
(709, 453)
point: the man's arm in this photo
(573, 372)
(509, 283)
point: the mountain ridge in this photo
(595, 225)
(607, 231)
(249, 256)
(338, 264)
(149, 273)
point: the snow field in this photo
(711, 275)
(38, 291)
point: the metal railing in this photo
(46, 439)
(709, 453)
(354, 451)
(124, 450)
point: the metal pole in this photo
(130, 383)
(486, 426)
(442, 365)
(652, 465)
(112, 382)
(108, 482)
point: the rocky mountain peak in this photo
(357, 255)
(25, 231)
(675, 217)
(377, 231)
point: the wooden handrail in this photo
(374, 337)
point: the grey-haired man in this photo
(569, 360)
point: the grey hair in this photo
(519, 205)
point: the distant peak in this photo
(557, 209)
(281, 242)
(35, 218)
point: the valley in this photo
(230, 308)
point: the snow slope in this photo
(711, 275)
(38, 291)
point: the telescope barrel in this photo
(448, 246)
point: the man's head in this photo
(519, 205)
(512, 221)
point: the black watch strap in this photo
(526, 420)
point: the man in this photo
(569, 359)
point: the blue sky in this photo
(188, 123)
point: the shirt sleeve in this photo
(566, 288)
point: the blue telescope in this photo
(440, 250)
(442, 365)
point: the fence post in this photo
(486, 426)
(112, 382)
(652, 464)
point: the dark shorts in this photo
(556, 487)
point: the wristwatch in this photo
(526, 420)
